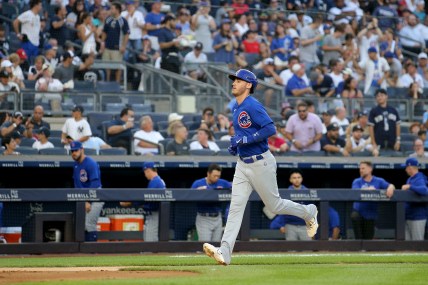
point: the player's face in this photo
(296, 180)
(76, 154)
(303, 112)
(214, 176)
(365, 170)
(239, 87)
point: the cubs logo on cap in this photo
(244, 120)
(76, 145)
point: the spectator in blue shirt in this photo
(225, 43)
(154, 18)
(209, 224)
(416, 213)
(297, 86)
(364, 214)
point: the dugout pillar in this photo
(79, 222)
(164, 216)
(323, 220)
(400, 222)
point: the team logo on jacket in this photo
(83, 175)
(244, 120)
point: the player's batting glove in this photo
(232, 150)
(238, 140)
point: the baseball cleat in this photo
(214, 252)
(312, 225)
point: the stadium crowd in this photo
(323, 53)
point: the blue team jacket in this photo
(418, 185)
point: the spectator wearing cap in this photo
(37, 119)
(53, 86)
(151, 209)
(418, 147)
(193, 60)
(297, 86)
(115, 37)
(411, 77)
(356, 142)
(304, 130)
(154, 19)
(287, 73)
(332, 44)
(322, 84)
(36, 70)
(395, 70)
(146, 139)
(225, 43)
(27, 28)
(326, 119)
(332, 143)
(309, 37)
(390, 43)
(75, 128)
(119, 131)
(384, 124)
(362, 121)
(6, 85)
(411, 35)
(423, 65)
(268, 74)
(375, 70)
(204, 24)
(10, 146)
(416, 213)
(369, 37)
(50, 55)
(169, 45)
(43, 142)
(148, 53)
(16, 124)
(136, 24)
(174, 120)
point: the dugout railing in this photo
(75, 199)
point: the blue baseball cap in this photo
(411, 162)
(148, 164)
(372, 49)
(389, 54)
(76, 145)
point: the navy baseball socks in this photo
(312, 224)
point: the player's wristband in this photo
(124, 126)
(14, 125)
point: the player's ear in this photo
(249, 85)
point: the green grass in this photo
(292, 268)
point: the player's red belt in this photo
(251, 159)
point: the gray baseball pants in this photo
(260, 176)
(209, 228)
(415, 230)
(92, 216)
(151, 227)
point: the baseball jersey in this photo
(77, 129)
(156, 183)
(211, 207)
(87, 174)
(115, 29)
(368, 210)
(248, 118)
(384, 121)
(418, 184)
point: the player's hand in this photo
(405, 187)
(397, 146)
(298, 145)
(282, 230)
(232, 150)
(389, 192)
(236, 140)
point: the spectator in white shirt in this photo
(203, 141)
(136, 24)
(43, 142)
(75, 128)
(146, 139)
(411, 76)
(418, 146)
(356, 143)
(193, 59)
(340, 119)
(411, 35)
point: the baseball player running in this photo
(255, 169)
(86, 174)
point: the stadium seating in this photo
(24, 150)
(54, 151)
(27, 142)
(112, 151)
(204, 152)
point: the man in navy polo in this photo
(169, 45)
(297, 86)
(115, 37)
